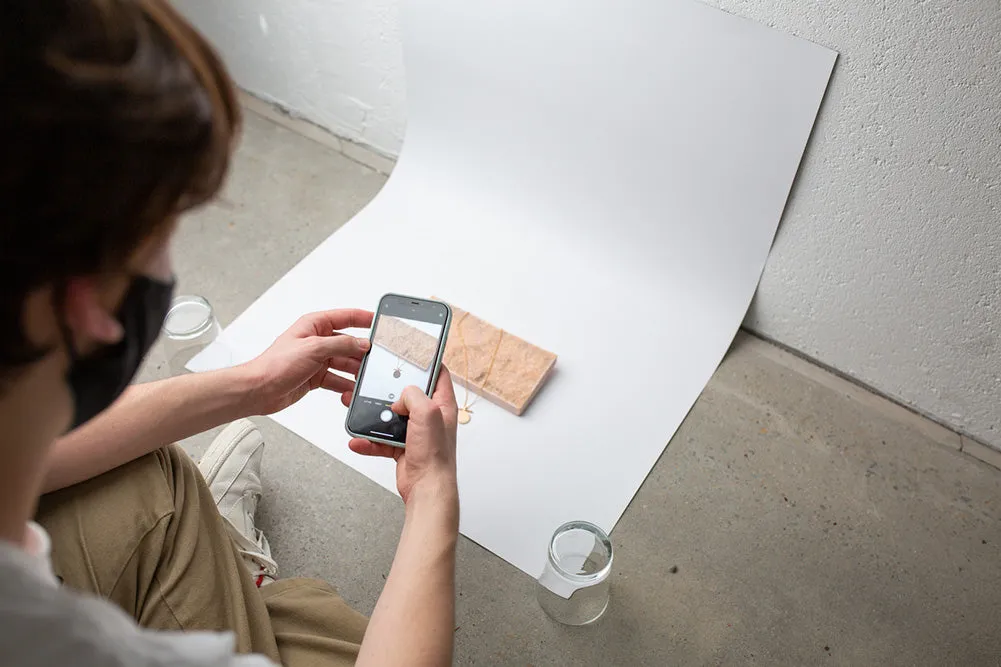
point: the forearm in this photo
(144, 418)
(414, 618)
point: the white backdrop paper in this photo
(603, 179)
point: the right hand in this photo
(428, 461)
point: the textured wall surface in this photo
(887, 265)
(338, 63)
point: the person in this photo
(118, 118)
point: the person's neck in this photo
(20, 484)
(29, 418)
(15, 514)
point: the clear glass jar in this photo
(188, 329)
(574, 587)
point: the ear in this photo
(89, 309)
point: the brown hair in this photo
(115, 116)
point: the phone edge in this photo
(438, 363)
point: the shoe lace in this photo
(254, 551)
(262, 567)
(251, 498)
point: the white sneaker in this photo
(232, 468)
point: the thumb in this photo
(444, 391)
(411, 400)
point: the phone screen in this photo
(407, 344)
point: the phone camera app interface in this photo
(404, 348)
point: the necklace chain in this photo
(465, 356)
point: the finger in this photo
(410, 401)
(327, 322)
(326, 347)
(334, 382)
(444, 391)
(349, 365)
(346, 398)
(368, 448)
(444, 399)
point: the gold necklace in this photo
(465, 414)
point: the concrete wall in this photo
(338, 63)
(887, 265)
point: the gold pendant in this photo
(464, 415)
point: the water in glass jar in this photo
(190, 326)
(580, 560)
(586, 605)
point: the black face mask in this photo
(98, 379)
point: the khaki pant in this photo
(148, 537)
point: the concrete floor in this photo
(810, 522)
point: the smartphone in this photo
(408, 343)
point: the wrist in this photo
(438, 494)
(242, 384)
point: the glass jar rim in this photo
(196, 330)
(598, 534)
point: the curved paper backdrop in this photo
(603, 178)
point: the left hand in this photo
(300, 360)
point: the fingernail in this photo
(363, 344)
